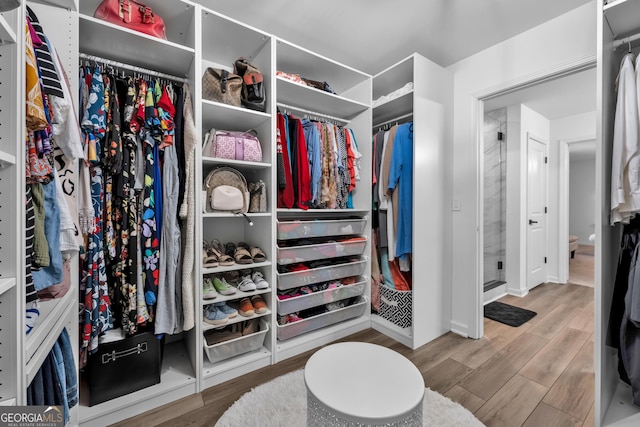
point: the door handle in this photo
(532, 222)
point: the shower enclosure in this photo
(495, 196)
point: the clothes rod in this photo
(625, 41)
(395, 119)
(313, 113)
(132, 68)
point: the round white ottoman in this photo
(358, 384)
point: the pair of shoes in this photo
(208, 290)
(222, 287)
(255, 305)
(219, 313)
(256, 254)
(251, 281)
(213, 316)
(212, 255)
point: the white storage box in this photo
(309, 324)
(302, 302)
(294, 254)
(227, 349)
(321, 274)
(320, 228)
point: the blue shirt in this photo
(312, 138)
(401, 173)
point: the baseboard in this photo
(495, 297)
(517, 292)
(460, 329)
(553, 279)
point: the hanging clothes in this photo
(401, 175)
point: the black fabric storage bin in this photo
(124, 366)
(396, 306)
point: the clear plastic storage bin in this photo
(295, 254)
(320, 228)
(309, 324)
(227, 349)
(302, 302)
(321, 274)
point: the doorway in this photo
(564, 110)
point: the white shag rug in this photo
(282, 402)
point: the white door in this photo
(536, 205)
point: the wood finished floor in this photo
(581, 266)
(539, 374)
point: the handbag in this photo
(227, 190)
(232, 145)
(258, 197)
(122, 367)
(222, 86)
(253, 92)
(132, 15)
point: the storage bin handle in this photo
(111, 357)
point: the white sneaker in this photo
(246, 284)
(258, 279)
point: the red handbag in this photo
(132, 15)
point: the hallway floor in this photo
(539, 374)
(581, 270)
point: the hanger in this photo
(629, 43)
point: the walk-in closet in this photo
(155, 265)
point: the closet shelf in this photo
(232, 215)
(6, 159)
(301, 213)
(215, 270)
(178, 380)
(65, 4)
(621, 17)
(7, 284)
(393, 108)
(309, 98)
(54, 315)
(238, 319)
(238, 295)
(8, 402)
(310, 65)
(7, 35)
(394, 77)
(120, 44)
(229, 117)
(217, 161)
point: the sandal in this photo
(242, 254)
(209, 257)
(223, 258)
(257, 254)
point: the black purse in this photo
(124, 366)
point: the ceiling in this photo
(371, 35)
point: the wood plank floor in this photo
(540, 374)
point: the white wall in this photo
(514, 150)
(571, 128)
(556, 44)
(582, 197)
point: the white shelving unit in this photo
(428, 106)
(12, 292)
(350, 106)
(616, 21)
(236, 40)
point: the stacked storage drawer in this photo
(337, 244)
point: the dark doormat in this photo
(507, 314)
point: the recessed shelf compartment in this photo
(221, 269)
(308, 98)
(393, 108)
(622, 17)
(120, 44)
(237, 319)
(320, 228)
(218, 161)
(238, 295)
(321, 274)
(229, 117)
(316, 251)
